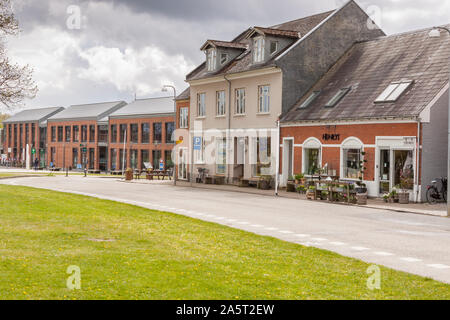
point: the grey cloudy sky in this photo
(128, 46)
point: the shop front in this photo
(381, 155)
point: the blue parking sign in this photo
(197, 143)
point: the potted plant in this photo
(301, 189)
(394, 195)
(129, 174)
(403, 194)
(290, 187)
(299, 178)
(386, 197)
(265, 182)
(311, 193)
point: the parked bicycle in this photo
(436, 194)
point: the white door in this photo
(288, 160)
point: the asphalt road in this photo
(413, 243)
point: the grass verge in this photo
(157, 255)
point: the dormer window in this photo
(211, 59)
(223, 58)
(258, 50)
(273, 47)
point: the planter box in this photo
(403, 198)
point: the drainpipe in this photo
(277, 162)
(418, 160)
(229, 126)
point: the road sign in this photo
(161, 164)
(197, 143)
(33, 151)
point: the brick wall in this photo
(17, 142)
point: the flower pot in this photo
(290, 187)
(128, 175)
(403, 197)
(361, 199)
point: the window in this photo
(74, 157)
(264, 99)
(134, 159)
(258, 49)
(338, 97)
(310, 100)
(156, 154)
(123, 130)
(201, 104)
(220, 102)
(91, 133)
(393, 91)
(83, 133)
(113, 159)
(223, 58)
(145, 133)
(145, 159)
(15, 135)
(170, 128)
(263, 156)
(60, 134)
(168, 159)
(27, 133)
(33, 134)
(240, 101)
(221, 148)
(312, 159)
(134, 135)
(68, 133)
(184, 118)
(352, 163)
(53, 133)
(9, 134)
(157, 132)
(52, 155)
(199, 150)
(113, 133)
(123, 159)
(273, 47)
(404, 169)
(211, 59)
(42, 138)
(102, 132)
(76, 134)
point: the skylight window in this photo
(338, 97)
(310, 100)
(393, 91)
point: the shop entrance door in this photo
(385, 171)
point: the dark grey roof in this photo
(95, 111)
(152, 106)
(185, 95)
(369, 67)
(243, 62)
(34, 115)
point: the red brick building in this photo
(379, 114)
(28, 127)
(78, 136)
(146, 126)
(182, 135)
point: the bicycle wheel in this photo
(432, 196)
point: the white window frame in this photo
(349, 144)
(393, 91)
(311, 143)
(220, 103)
(240, 101)
(223, 58)
(276, 47)
(211, 55)
(258, 49)
(201, 105)
(184, 117)
(264, 99)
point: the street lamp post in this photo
(435, 33)
(165, 89)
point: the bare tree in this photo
(16, 82)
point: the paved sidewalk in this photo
(416, 208)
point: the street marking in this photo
(271, 229)
(286, 232)
(360, 248)
(257, 226)
(319, 239)
(438, 266)
(299, 235)
(210, 216)
(243, 222)
(385, 254)
(408, 259)
(336, 243)
(219, 218)
(231, 220)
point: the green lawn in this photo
(159, 255)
